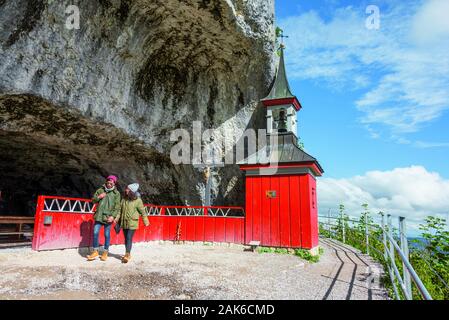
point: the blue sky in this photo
(375, 101)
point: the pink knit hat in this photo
(113, 178)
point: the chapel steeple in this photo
(280, 177)
(282, 105)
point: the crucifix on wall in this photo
(206, 166)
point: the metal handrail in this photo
(349, 220)
(410, 269)
(397, 274)
(409, 273)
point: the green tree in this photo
(430, 257)
(342, 226)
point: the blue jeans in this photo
(129, 234)
(107, 234)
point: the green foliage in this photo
(265, 250)
(279, 32)
(430, 257)
(281, 251)
(305, 254)
(342, 222)
(302, 253)
(272, 250)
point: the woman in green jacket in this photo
(107, 199)
(131, 207)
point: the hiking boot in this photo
(126, 258)
(104, 255)
(93, 255)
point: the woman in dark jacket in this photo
(131, 208)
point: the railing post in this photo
(366, 234)
(329, 223)
(35, 243)
(390, 232)
(404, 248)
(384, 238)
(390, 242)
(343, 226)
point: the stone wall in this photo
(76, 105)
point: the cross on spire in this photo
(282, 39)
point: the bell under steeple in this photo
(281, 104)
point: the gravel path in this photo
(187, 271)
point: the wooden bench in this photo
(254, 244)
(19, 222)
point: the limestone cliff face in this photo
(78, 104)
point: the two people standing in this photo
(124, 212)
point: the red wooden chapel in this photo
(281, 201)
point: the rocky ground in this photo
(197, 271)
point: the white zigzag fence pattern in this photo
(68, 205)
(86, 206)
(196, 211)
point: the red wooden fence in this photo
(67, 223)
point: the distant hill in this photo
(417, 242)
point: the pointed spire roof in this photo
(280, 91)
(281, 88)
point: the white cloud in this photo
(426, 144)
(403, 67)
(431, 23)
(412, 192)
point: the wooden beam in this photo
(15, 244)
(16, 220)
(26, 234)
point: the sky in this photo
(375, 95)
